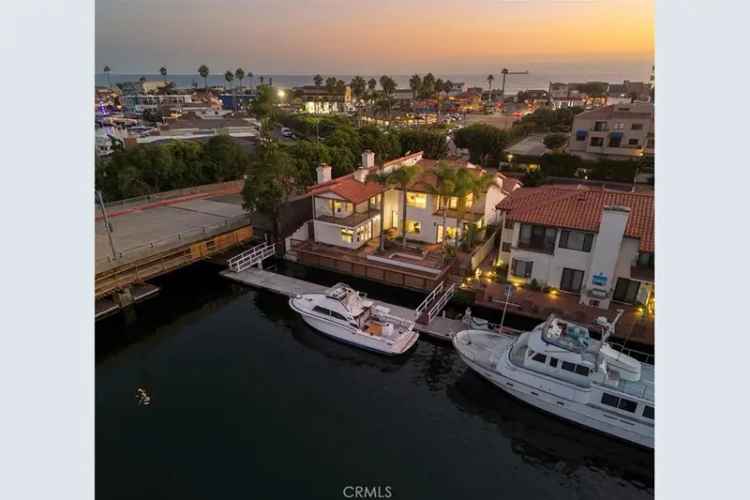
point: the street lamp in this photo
(281, 93)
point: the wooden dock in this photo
(440, 327)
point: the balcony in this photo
(532, 247)
(352, 220)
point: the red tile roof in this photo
(348, 188)
(577, 208)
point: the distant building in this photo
(138, 103)
(617, 131)
(318, 100)
(594, 243)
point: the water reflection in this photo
(550, 443)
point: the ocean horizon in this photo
(538, 78)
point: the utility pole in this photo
(107, 225)
(505, 73)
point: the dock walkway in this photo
(440, 327)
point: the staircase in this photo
(252, 257)
(434, 302)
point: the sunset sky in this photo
(369, 37)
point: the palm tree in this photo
(239, 74)
(251, 77)
(204, 72)
(262, 79)
(468, 184)
(403, 177)
(389, 86)
(490, 79)
(445, 188)
(107, 69)
(163, 71)
(384, 180)
(318, 80)
(371, 84)
(415, 84)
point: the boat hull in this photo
(351, 336)
(579, 413)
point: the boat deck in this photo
(644, 388)
(439, 327)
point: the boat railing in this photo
(396, 320)
(641, 356)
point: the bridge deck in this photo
(442, 328)
(138, 233)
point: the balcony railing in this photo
(531, 247)
(352, 220)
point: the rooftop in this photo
(581, 208)
(635, 110)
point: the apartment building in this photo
(595, 243)
(347, 210)
(319, 100)
(617, 131)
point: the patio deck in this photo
(634, 326)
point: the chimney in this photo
(368, 159)
(324, 173)
(361, 174)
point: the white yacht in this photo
(348, 316)
(559, 368)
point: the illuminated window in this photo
(347, 235)
(416, 200)
(451, 232)
(340, 207)
(375, 201)
(413, 226)
(469, 200)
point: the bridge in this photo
(142, 238)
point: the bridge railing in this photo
(205, 188)
(251, 257)
(174, 239)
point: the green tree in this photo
(308, 156)
(239, 74)
(230, 159)
(271, 180)
(389, 86)
(318, 80)
(358, 86)
(229, 76)
(444, 189)
(427, 89)
(415, 84)
(403, 177)
(163, 71)
(330, 84)
(107, 69)
(555, 142)
(484, 142)
(533, 177)
(263, 105)
(432, 141)
(204, 72)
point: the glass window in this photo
(341, 207)
(571, 280)
(636, 126)
(648, 412)
(413, 226)
(521, 268)
(347, 235)
(338, 316)
(537, 237)
(375, 201)
(321, 310)
(553, 362)
(597, 141)
(568, 366)
(610, 400)
(582, 370)
(576, 240)
(632, 142)
(626, 290)
(416, 200)
(469, 200)
(627, 405)
(541, 358)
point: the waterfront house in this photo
(346, 210)
(594, 243)
(617, 131)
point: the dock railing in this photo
(252, 257)
(435, 301)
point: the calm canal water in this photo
(248, 402)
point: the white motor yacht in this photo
(559, 368)
(348, 316)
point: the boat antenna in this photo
(608, 328)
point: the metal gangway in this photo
(252, 257)
(434, 302)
